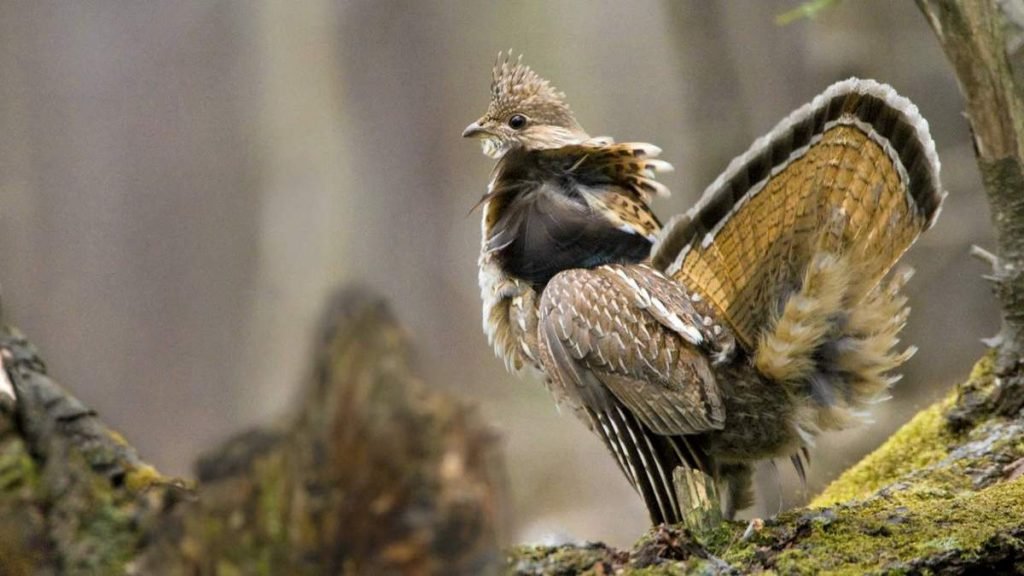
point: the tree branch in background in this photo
(972, 35)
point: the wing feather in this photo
(600, 333)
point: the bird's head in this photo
(525, 111)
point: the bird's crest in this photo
(515, 87)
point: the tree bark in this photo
(972, 35)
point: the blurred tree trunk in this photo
(304, 154)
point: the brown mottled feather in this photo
(598, 330)
(618, 179)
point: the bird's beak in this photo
(474, 130)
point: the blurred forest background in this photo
(183, 183)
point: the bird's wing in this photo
(852, 173)
(629, 330)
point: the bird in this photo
(738, 331)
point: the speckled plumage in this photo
(740, 330)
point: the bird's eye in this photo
(517, 121)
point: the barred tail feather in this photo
(792, 242)
(854, 172)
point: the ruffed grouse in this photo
(742, 328)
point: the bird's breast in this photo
(549, 229)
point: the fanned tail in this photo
(792, 242)
(853, 173)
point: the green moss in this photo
(272, 495)
(982, 373)
(664, 569)
(882, 534)
(722, 537)
(886, 532)
(557, 559)
(23, 548)
(920, 442)
(225, 568)
(246, 526)
(272, 502)
(104, 538)
(142, 477)
(17, 470)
